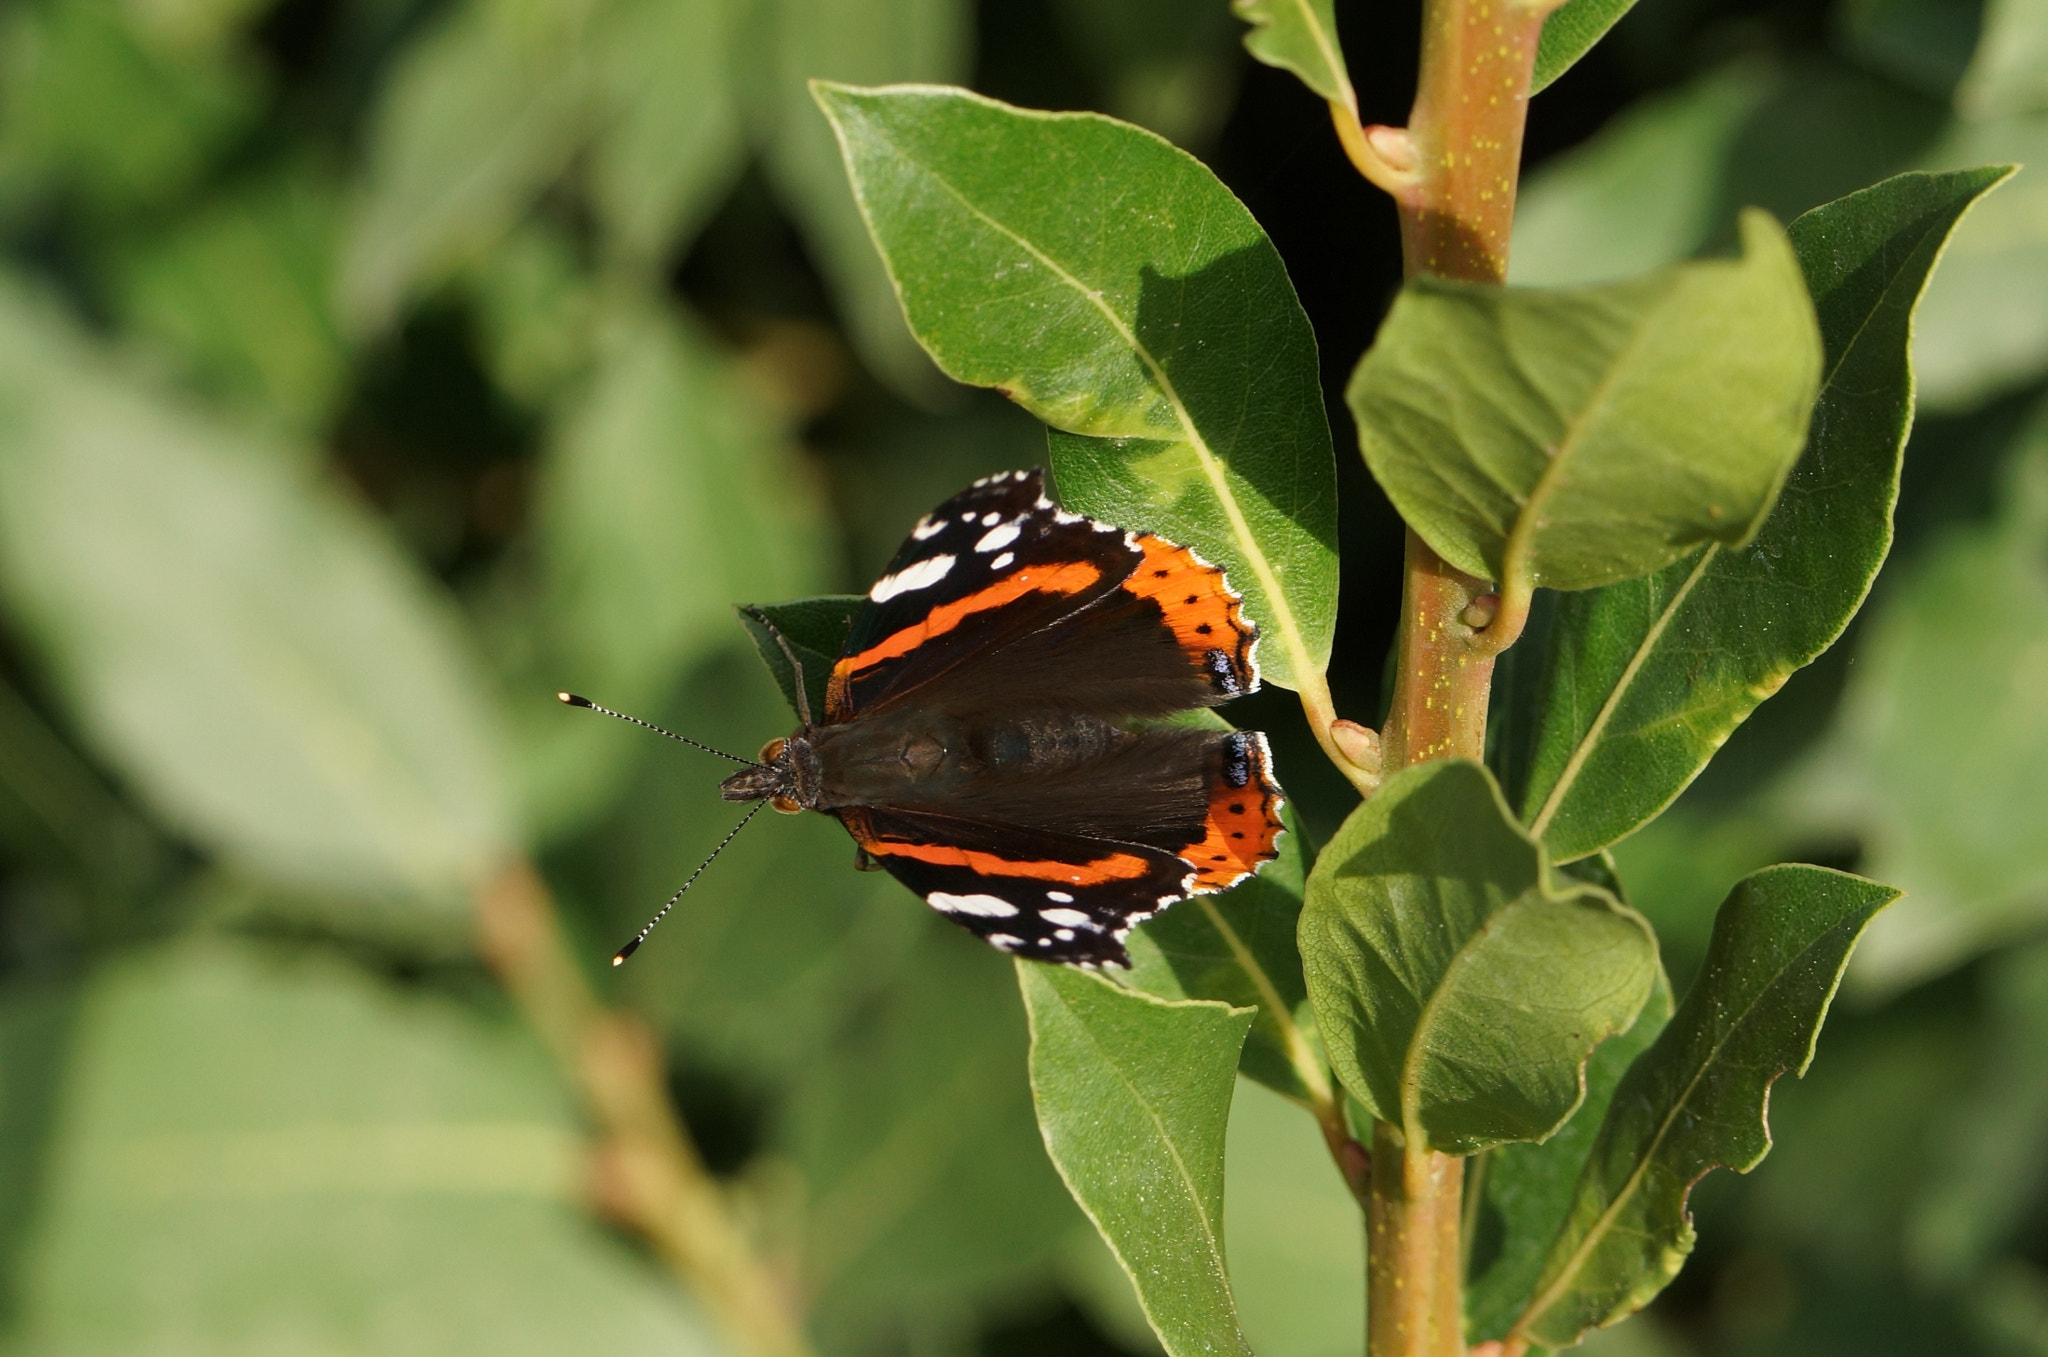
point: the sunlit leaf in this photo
(1113, 287)
(1299, 36)
(1578, 437)
(1696, 1099)
(1459, 983)
(247, 1146)
(1570, 32)
(237, 639)
(1133, 1099)
(1644, 680)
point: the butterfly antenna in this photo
(576, 701)
(619, 957)
(796, 670)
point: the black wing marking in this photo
(1036, 894)
(1057, 611)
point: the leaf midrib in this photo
(1212, 465)
(1583, 750)
(1326, 44)
(1604, 1222)
(1299, 1054)
(1194, 1193)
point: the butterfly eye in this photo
(772, 751)
(788, 805)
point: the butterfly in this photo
(992, 737)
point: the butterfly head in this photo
(786, 777)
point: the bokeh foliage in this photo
(372, 369)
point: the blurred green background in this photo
(372, 369)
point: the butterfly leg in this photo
(862, 862)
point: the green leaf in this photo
(1526, 1190)
(248, 648)
(1459, 983)
(1994, 1139)
(1569, 33)
(1133, 1099)
(93, 107)
(1646, 191)
(668, 136)
(248, 1146)
(816, 630)
(664, 496)
(1299, 36)
(1644, 680)
(1579, 437)
(1696, 1099)
(869, 42)
(929, 1199)
(1983, 329)
(240, 293)
(476, 118)
(1238, 947)
(1113, 287)
(2009, 73)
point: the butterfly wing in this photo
(1056, 611)
(1061, 867)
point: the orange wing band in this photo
(1241, 830)
(1203, 610)
(1115, 867)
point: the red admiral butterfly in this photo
(984, 734)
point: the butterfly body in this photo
(990, 734)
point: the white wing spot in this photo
(1063, 934)
(927, 527)
(981, 906)
(1002, 562)
(1059, 897)
(990, 519)
(995, 539)
(1005, 941)
(1067, 918)
(917, 575)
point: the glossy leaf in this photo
(1113, 287)
(1642, 681)
(1460, 984)
(868, 42)
(1696, 1099)
(1238, 947)
(1570, 32)
(248, 1145)
(244, 645)
(1579, 437)
(1133, 1099)
(1527, 1189)
(1299, 36)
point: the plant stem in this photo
(1413, 1303)
(1453, 178)
(648, 1174)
